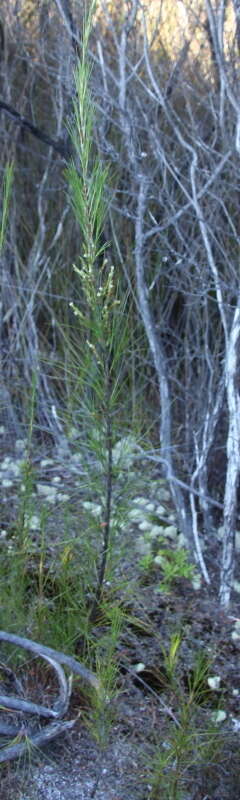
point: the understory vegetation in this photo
(119, 428)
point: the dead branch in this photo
(17, 704)
(38, 740)
(20, 705)
(48, 652)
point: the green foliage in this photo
(189, 746)
(174, 565)
(99, 317)
(171, 654)
(105, 650)
(7, 186)
(147, 562)
(173, 562)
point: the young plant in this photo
(174, 565)
(101, 317)
(170, 656)
(191, 745)
(107, 671)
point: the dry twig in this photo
(19, 704)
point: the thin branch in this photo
(61, 147)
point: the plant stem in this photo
(108, 507)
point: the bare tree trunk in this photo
(160, 363)
(233, 460)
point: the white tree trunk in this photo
(233, 460)
(160, 363)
